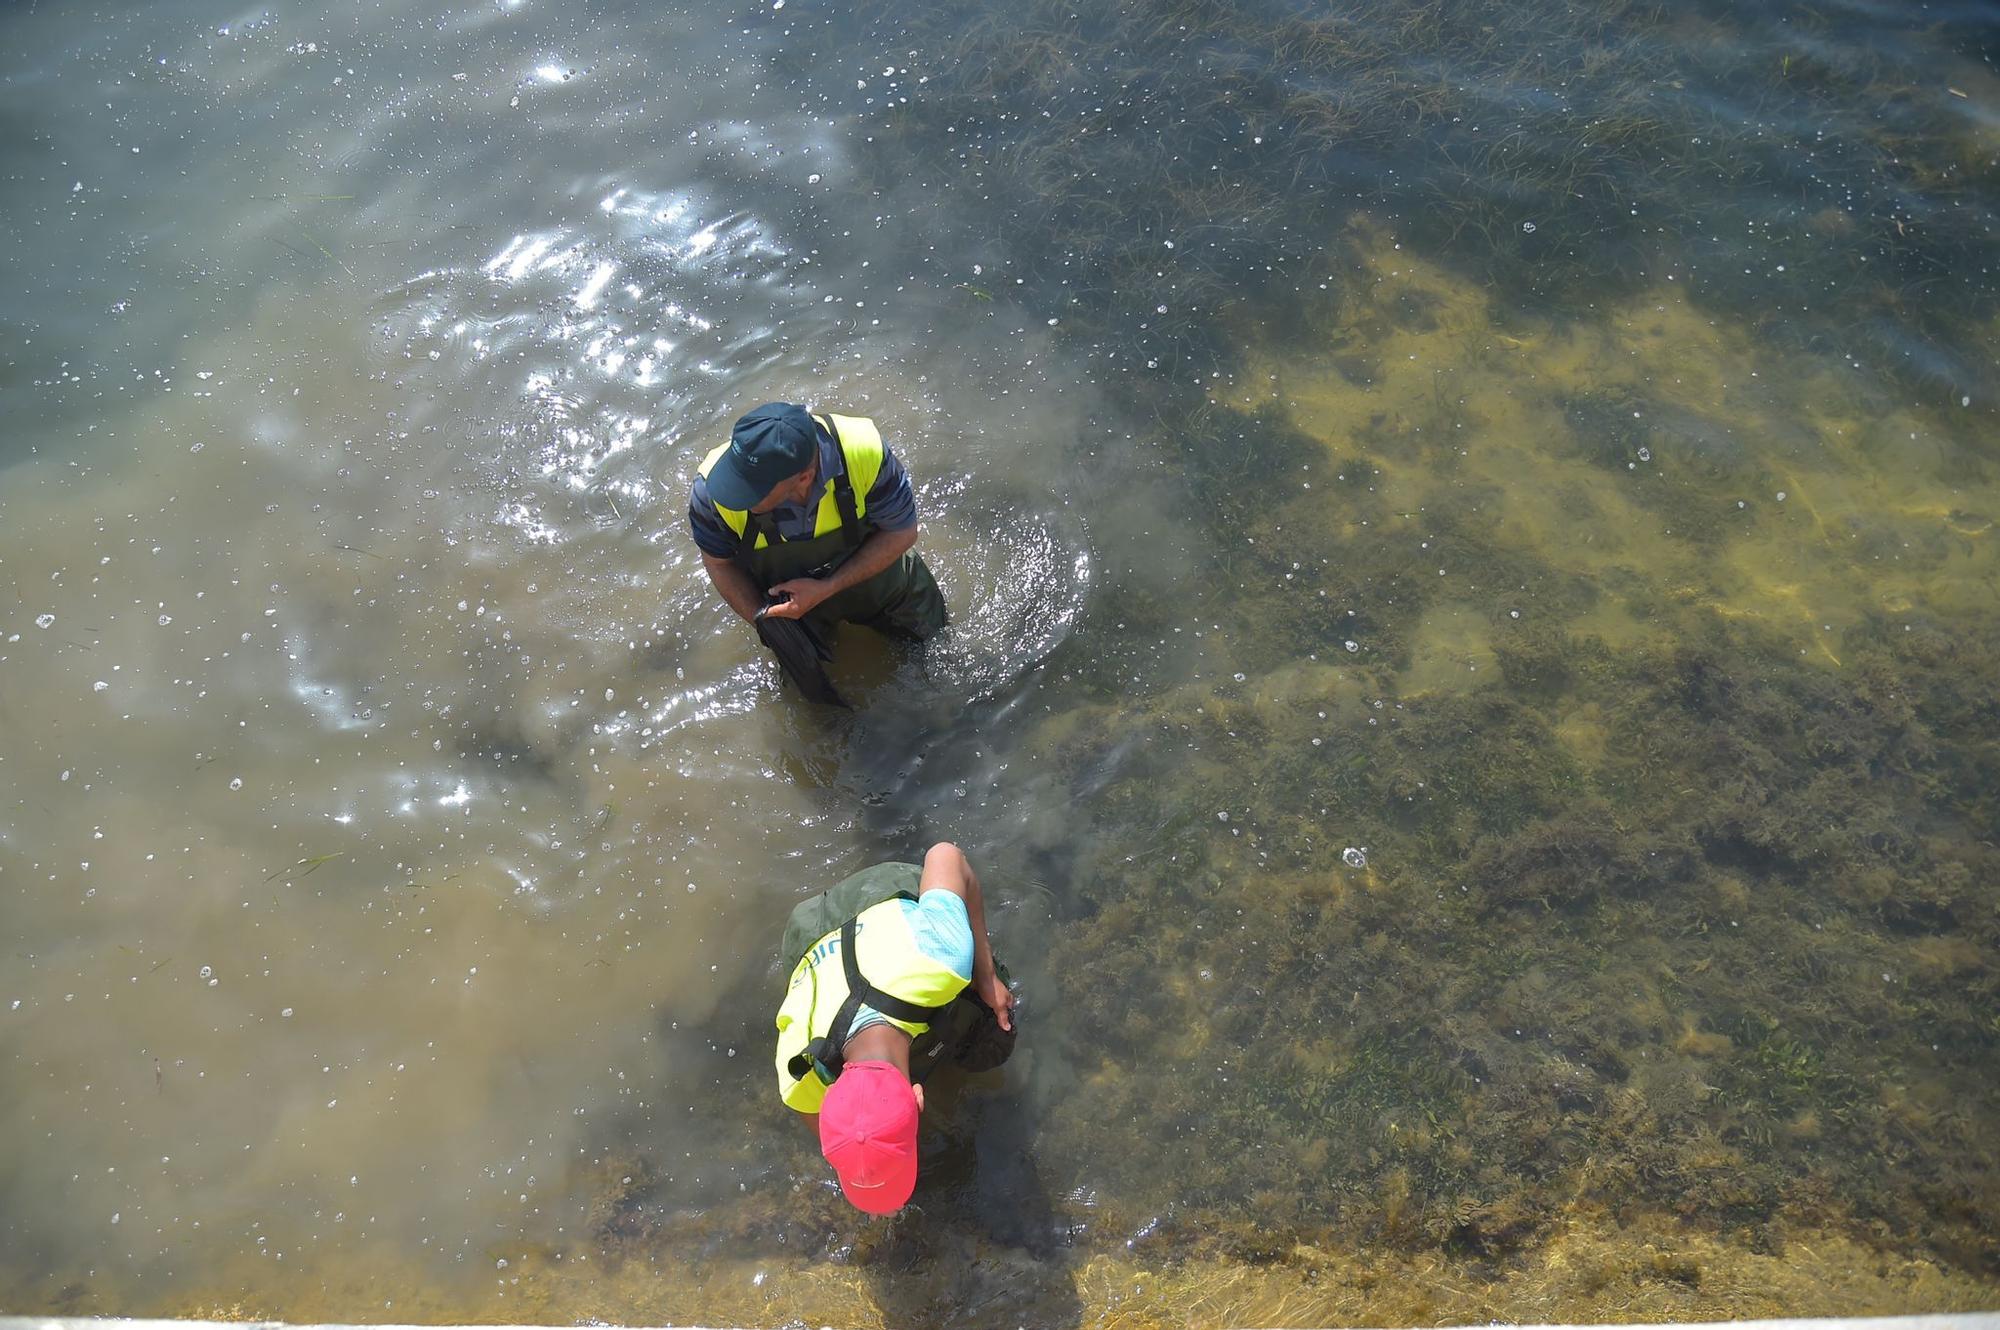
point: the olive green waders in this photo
(901, 601)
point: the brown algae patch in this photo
(1675, 909)
(1669, 458)
(1584, 733)
(894, 1275)
(1448, 643)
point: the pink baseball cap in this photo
(868, 1132)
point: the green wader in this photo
(968, 1035)
(901, 601)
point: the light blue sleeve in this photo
(943, 930)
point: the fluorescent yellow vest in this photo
(889, 958)
(860, 444)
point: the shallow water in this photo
(1549, 448)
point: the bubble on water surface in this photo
(1355, 857)
(44, 620)
(1351, 644)
(235, 782)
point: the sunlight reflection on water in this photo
(445, 726)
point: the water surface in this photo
(1545, 450)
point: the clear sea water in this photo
(1470, 529)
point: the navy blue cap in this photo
(768, 447)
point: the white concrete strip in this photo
(1943, 1321)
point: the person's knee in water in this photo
(867, 1003)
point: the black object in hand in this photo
(802, 651)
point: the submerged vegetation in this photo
(1735, 970)
(1564, 562)
(1169, 175)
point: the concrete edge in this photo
(1937, 1321)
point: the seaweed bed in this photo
(1683, 909)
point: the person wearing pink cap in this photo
(893, 976)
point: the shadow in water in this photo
(981, 1244)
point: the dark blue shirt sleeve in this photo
(892, 505)
(711, 533)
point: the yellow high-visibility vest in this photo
(861, 447)
(887, 954)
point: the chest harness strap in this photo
(829, 1050)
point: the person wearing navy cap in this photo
(809, 516)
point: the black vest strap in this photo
(887, 1003)
(754, 525)
(830, 1050)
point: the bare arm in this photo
(735, 585)
(947, 869)
(869, 558)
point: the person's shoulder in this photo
(892, 500)
(938, 904)
(711, 533)
(943, 929)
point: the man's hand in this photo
(799, 596)
(993, 991)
